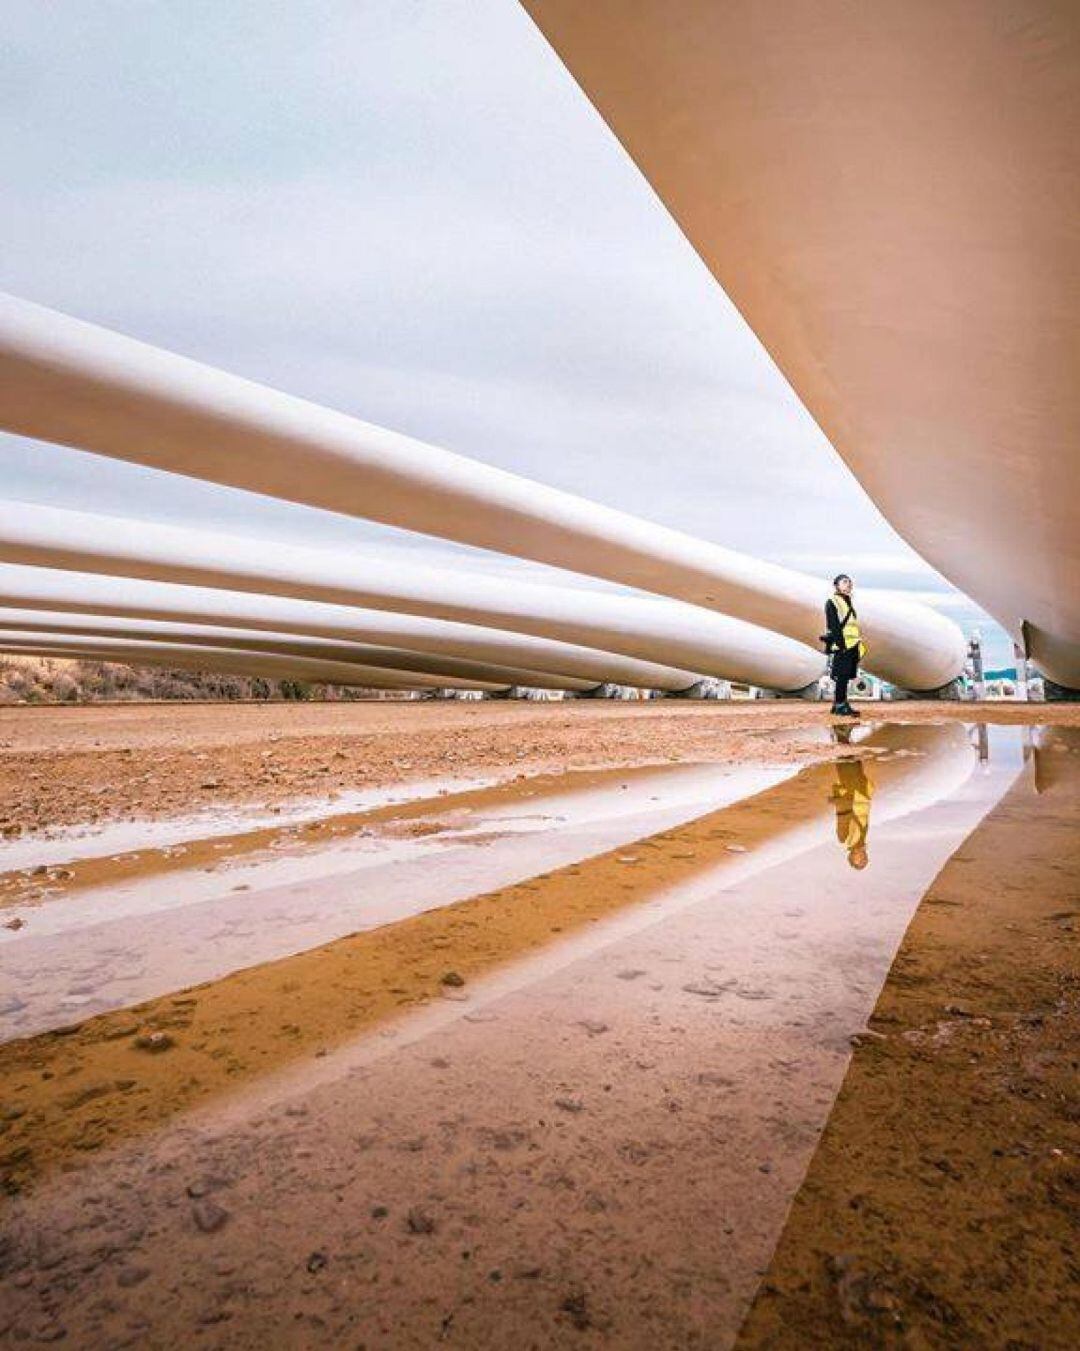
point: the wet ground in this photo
(561, 1059)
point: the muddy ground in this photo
(942, 1207)
(64, 766)
(601, 1153)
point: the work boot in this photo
(839, 711)
(848, 711)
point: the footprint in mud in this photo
(710, 989)
(714, 989)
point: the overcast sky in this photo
(404, 209)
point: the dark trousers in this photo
(845, 667)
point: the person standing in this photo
(844, 641)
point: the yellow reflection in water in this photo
(851, 793)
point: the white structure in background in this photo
(448, 669)
(198, 657)
(651, 630)
(130, 598)
(889, 193)
(70, 382)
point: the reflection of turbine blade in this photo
(402, 859)
(80, 385)
(653, 630)
(922, 765)
(132, 598)
(399, 965)
(192, 657)
(205, 635)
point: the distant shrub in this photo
(295, 689)
(34, 680)
(65, 687)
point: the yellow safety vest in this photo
(851, 797)
(849, 624)
(858, 824)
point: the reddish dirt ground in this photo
(593, 1149)
(62, 766)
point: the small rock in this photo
(453, 979)
(154, 1042)
(212, 1316)
(419, 1222)
(317, 1262)
(49, 1331)
(379, 1212)
(130, 1276)
(736, 848)
(17, 923)
(209, 1217)
(570, 1104)
(577, 1307)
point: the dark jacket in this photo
(833, 626)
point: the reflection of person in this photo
(843, 640)
(851, 796)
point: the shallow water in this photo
(138, 924)
(604, 1123)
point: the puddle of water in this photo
(155, 926)
(928, 787)
(64, 844)
(162, 920)
(612, 1113)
